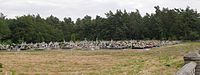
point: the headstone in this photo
(195, 57)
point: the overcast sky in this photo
(80, 8)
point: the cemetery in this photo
(49, 37)
(88, 45)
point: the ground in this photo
(156, 61)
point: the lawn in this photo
(157, 61)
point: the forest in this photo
(164, 24)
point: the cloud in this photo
(80, 8)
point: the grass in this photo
(158, 61)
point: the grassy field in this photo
(157, 61)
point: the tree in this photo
(4, 30)
(164, 24)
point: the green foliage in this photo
(13, 72)
(6, 42)
(1, 65)
(164, 24)
(4, 30)
(33, 28)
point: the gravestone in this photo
(193, 57)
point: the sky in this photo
(79, 8)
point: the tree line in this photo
(164, 24)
